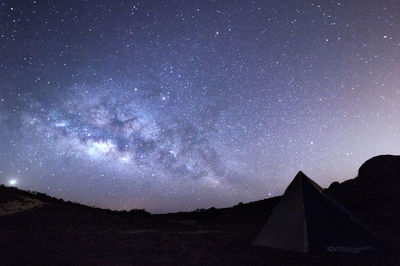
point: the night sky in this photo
(179, 105)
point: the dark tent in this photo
(308, 220)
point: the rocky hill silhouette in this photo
(374, 195)
(38, 229)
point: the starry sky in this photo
(179, 105)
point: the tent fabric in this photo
(308, 220)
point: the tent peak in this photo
(303, 178)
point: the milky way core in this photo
(179, 105)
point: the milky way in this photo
(179, 105)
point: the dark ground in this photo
(66, 233)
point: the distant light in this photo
(12, 182)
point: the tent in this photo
(308, 220)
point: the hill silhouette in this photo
(374, 195)
(38, 229)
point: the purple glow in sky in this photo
(179, 105)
